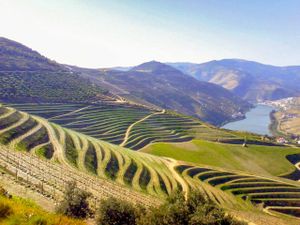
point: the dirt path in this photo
(58, 148)
(171, 163)
(135, 123)
(70, 113)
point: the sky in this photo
(107, 33)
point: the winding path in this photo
(70, 113)
(135, 123)
(172, 163)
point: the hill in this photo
(155, 83)
(250, 80)
(27, 76)
(17, 57)
(129, 125)
(30, 143)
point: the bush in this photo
(196, 210)
(5, 210)
(116, 212)
(75, 203)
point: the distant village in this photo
(284, 105)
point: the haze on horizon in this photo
(98, 33)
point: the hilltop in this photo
(17, 57)
(27, 76)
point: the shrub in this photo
(5, 210)
(116, 212)
(75, 203)
(196, 210)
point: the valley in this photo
(142, 133)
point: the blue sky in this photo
(98, 33)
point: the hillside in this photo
(17, 57)
(27, 76)
(109, 170)
(250, 80)
(286, 118)
(24, 211)
(155, 83)
(130, 126)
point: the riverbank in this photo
(257, 120)
(286, 119)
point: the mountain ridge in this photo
(159, 84)
(250, 80)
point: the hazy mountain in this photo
(155, 83)
(250, 80)
(27, 76)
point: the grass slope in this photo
(25, 212)
(255, 158)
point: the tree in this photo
(196, 210)
(75, 203)
(116, 212)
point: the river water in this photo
(257, 121)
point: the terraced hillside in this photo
(275, 195)
(126, 125)
(113, 170)
(35, 135)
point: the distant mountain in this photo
(27, 76)
(155, 83)
(250, 80)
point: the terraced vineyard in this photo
(126, 125)
(110, 169)
(35, 135)
(274, 194)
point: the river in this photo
(257, 121)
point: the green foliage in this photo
(5, 210)
(112, 167)
(17, 211)
(116, 212)
(196, 210)
(75, 203)
(46, 86)
(71, 152)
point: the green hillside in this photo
(109, 170)
(257, 159)
(21, 211)
(128, 125)
(27, 76)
